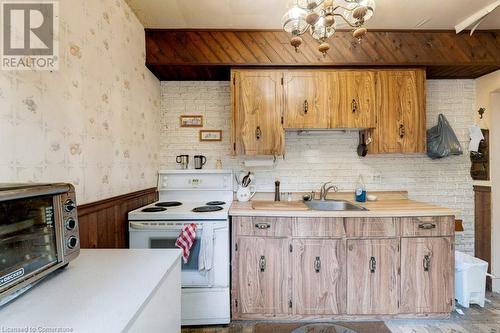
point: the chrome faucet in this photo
(325, 189)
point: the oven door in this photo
(29, 232)
(164, 237)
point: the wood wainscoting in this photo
(482, 226)
(104, 223)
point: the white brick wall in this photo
(314, 158)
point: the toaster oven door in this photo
(28, 238)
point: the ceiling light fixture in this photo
(319, 17)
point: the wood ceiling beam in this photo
(208, 54)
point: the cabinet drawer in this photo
(262, 226)
(371, 227)
(318, 227)
(427, 226)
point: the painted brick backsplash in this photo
(316, 157)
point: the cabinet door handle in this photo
(262, 263)
(306, 106)
(426, 226)
(427, 263)
(317, 264)
(354, 106)
(262, 226)
(258, 133)
(373, 264)
(402, 131)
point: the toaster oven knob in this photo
(69, 205)
(72, 242)
(70, 224)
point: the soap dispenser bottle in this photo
(360, 190)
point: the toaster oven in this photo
(38, 234)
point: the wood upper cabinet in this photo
(306, 100)
(353, 99)
(263, 269)
(427, 275)
(257, 111)
(401, 119)
(372, 276)
(319, 276)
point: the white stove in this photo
(202, 197)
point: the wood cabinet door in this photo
(263, 273)
(372, 276)
(319, 277)
(305, 100)
(356, 106)
(427, 275)
(257, 100)
(401, 121)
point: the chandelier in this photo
(319, 17)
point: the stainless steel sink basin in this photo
(333, 205)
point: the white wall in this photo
(94, 122)
(488, 96)
(495, 187)
(484, 86)
(316, 158)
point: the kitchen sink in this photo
(333, 205)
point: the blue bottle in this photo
(360, 190)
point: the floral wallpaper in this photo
(93, 123)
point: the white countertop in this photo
(100, 291)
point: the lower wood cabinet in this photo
(427, 275)
(372, 276)
(333, 268)
(319, 276)
(263, 270)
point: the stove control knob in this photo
(70, 224)
(69, 205)
(72, 242)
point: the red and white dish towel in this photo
(186, 240)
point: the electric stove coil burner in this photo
(215, 203)
(153, 209)
(205, 209)
(168, 204)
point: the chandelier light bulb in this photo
(294, 21)
(312, 18)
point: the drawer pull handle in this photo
(258, 133)
(262, 226)
(262, 263)
(402, 131)
(354, 106)
(306, 106)
(427, 226)
(427, 263)
(373, 264)
(317, 264)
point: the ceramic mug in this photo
(244, 194)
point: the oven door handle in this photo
(175, 227)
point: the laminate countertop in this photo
(390, 207)
(100, 291)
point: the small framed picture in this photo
(191, 121)
(213, 135)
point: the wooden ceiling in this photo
(209, 54)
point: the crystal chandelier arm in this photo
(353, 25)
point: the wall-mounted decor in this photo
(210, 135)
(191, 121)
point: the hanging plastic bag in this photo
(442, 141)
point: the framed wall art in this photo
(191, 121)
(210, 135)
